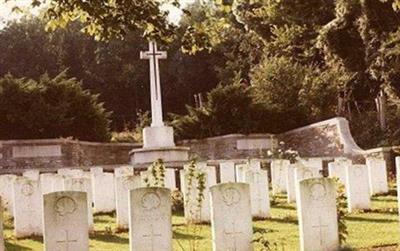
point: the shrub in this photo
(50, 108)
(133, 135)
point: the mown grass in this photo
(377, 227)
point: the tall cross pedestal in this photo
(158, 139)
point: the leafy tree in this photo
(277, 83)
(229, 109)
(353, 39)
(50, 108)
(110, 19)
(112, 69)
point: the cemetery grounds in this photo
(375, 229)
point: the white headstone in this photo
(377, 173)
(27, 208)
(227, 171)
(291, 183)
(7, 182)
(337, 169)
(194, 211)
(123, 171)
(65, 221)
(254, 165)
(150, 219)
(279, 168)
(317, 214)
(46, 182)
(170, 180)
(2, 248)
(81, 185)
(103, 193)
(357, 187)
(64, 171)
(76, 173)
(240, 171)
(96, 170)
(231, 217)
(58, 183)
(31, 174)
(258, 181)
(123, 185)
(314, 163)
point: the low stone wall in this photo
(327, 138)
(17, 155)
(233, 146)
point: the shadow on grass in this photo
(185, 236)
(16, 247)
(284, 206)
(263, 230)
(178, 213)
(102, 221)
(288, 220)
(362, 219)
(105, 237)
(383, 199)
(111, 214)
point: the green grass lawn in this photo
(379, 227)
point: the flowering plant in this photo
(281, 152)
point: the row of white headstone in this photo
(360, 181)
(66, 224)
(251, 173)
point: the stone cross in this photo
(317, 214)
(152, 235)
(234, 234)
(153, 55)
(320, 226)
(66, 241)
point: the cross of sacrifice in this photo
(320, 227)
(153, 55)
(151, 235)
(233, 234)
(66, 241)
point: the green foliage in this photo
(277, 83)
(282, 152)
(229, 109)
(155, 174)
(110, 18)
(113, 69)
(136, 134)
(320, 92)
(194, 177)
(260, 238)
(125, 136)
(50, 108)
(341, 205)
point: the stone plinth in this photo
(162, 136)
(145, 156)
